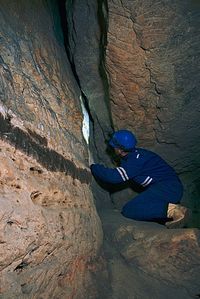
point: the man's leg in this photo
(146, 206)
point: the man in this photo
(160, 184)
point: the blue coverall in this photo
(160, 183)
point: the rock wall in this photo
(86, 29)
(146, 260)
(153, 68)
(50, 233)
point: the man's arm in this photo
(109, 175)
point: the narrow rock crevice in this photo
(65, 10)
(84, 25)
(102, 14)
(68, 27)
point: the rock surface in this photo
(86, 24)
(50, 233)
(147, 260)
(37, 83)
(153, 69)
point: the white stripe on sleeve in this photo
(121, 173)
(145, 180)
(124, 172)
(148, 182)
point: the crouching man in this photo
(159, 181)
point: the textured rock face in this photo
(86, 39)
(50, 234)
(162, 263)
(153, 70)
(32, 68)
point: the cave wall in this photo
(150, 52)
(50, 233)
(86, 23)
(153, 69)
(85, 27)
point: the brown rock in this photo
(133, 97)
(50, 233)
(49, 230)
(160, 262)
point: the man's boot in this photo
(179, 214)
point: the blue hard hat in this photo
(123, 139)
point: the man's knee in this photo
(141, 209)
(129, 211)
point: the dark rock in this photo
(86, 35)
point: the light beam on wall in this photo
(86, 122)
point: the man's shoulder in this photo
(139, 155)
(144, 152)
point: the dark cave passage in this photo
(100, 123)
